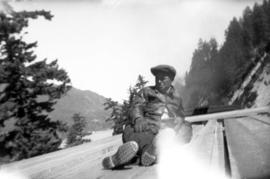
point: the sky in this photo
(105, 45)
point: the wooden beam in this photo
(228, 115)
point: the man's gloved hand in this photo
(140, 125)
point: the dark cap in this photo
(164, 69)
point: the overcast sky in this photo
(105, 45)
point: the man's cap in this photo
(164, 69)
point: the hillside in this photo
(218, 70)
(262, 87)
(87, 103)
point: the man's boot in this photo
(149, 155)
(124, 154)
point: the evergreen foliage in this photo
(120, 112)
(77, 131)
(199, 80)
(216, 72)
(28, 91)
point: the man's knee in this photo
(128, 134)
(185, 132)
(142, 138)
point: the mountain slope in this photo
(87, 103)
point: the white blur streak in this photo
(178, 161)
(7, 174)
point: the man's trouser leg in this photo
(144, 141)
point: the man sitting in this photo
(147, 112)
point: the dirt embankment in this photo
(262, 87)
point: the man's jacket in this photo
(151, 105)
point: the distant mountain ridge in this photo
(89, 104)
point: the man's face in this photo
(163, 82)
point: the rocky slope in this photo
(262, 87)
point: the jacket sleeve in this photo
(136, 111)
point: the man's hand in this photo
(140, 125)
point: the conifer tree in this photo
(120, 112)
(248, 31)
(261, 25)
(116, 115)
(246, 40)
(77, 131)
(201, 77)
(28, 90)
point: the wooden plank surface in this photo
(84, 161)
(209, 145)
(249, 144)
(66, 163)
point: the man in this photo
(148, 110)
